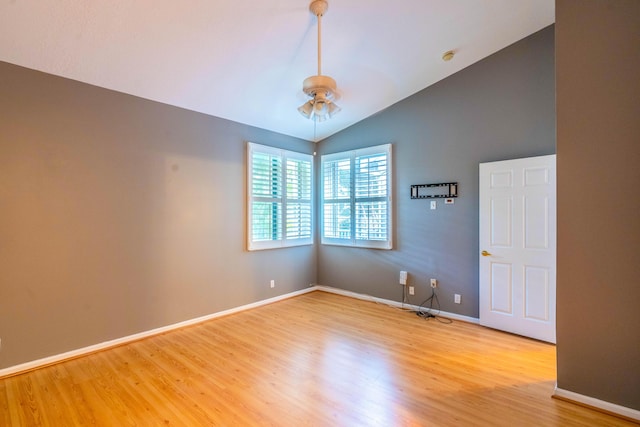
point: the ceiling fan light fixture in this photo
(306, 109)
(321, 89)
(320, 118)
(333, 109)
(320, 108)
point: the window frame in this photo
(353, 241)
(284, 240)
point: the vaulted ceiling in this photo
(245, 60)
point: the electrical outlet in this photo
(456, 298)
(273, 283)
(403, 277)
(411, 290)
(434, 283)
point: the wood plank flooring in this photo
(315, 360)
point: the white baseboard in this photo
(35, 364)
(393, 303)
(602, 405)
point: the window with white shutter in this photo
(356, 198)
(280, 186)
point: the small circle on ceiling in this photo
(448, 55)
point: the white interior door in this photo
(518, 246)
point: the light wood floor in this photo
(318, 360)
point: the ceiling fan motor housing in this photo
(316, 85)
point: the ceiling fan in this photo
(321, 89)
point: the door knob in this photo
(485, 253)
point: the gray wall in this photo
(598, 101)
(500, 108)
(119, 215)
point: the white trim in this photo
(394, 303)
(623, 411)
(353, 199)
(39, 363)
(283, 199)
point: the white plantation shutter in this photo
(356, 198)
(279, 197)
(298, 221)
(266, 186)
(336, 179)
(371, 189)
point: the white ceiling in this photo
(245, 60)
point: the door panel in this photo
(501, 298)
(536, 285)
(502, 179)
(536, 176)
(536, 222)
(518, 246)
(501, 214)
